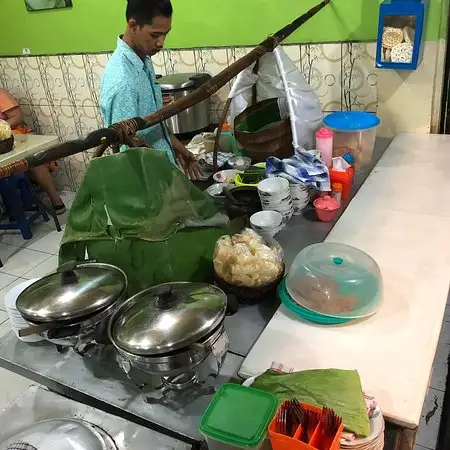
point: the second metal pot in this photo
(170, 329)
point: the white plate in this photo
(224, 176)
(376, 429)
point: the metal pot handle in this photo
(198, 348)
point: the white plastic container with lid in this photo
(355, 133)
(237, 418)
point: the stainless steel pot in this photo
(177, 86)
(170, 329)
(73, 304)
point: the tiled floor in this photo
(34, 258)
(25, 260)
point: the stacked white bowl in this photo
(275, 195)
(15, 318)
(267, 223)
(300, 197)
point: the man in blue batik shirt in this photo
(129, 88)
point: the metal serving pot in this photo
(71, 306)
(177, 86)
(170, 329)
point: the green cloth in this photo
(332, 388)
(138, 212)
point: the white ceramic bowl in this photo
(273, 186)
(225, 176)
(266, 220)
(216, 190)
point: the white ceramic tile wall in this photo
(59, 94)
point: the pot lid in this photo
(63, 434)
(182, 81)
(73, 291)
(168, 317)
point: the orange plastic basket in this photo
(283, 442)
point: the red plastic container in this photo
(282, 442)
(326, 208)
(344, 178)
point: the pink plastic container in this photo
(324, 143)
(326, 208)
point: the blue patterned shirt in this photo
(129, 89)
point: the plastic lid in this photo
(226, 127)
(324, 133)
(239, 415)
(327, 203)
(176, 81)
(351, 121)
(335, 280)
(337, 187)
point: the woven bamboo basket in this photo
(248, 295)
(263, 133)
(6, 145)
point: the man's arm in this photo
(10, 108)
(14, 117)
(186, 158)
(124, 105)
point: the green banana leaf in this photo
(332, 388)
(136, 211)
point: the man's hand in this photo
(187, 160)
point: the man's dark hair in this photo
(144, 11)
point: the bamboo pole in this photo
(123, 132)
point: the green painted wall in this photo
(93, 25)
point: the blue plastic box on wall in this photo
(401, 31)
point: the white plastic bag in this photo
(278, 77)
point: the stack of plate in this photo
(375, 441)
(15, 318)
(275, 195)
(300, 197)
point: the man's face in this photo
(149, 39)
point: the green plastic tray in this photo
(304, 313)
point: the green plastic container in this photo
(238, 417)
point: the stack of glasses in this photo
(275, 195)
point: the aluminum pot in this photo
(71, 306)
(170, 329)
(177, 86)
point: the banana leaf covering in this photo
(135, 210)
(332, 388)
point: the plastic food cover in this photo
(335, 280)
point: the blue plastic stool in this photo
(16, 192)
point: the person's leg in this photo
(44, 179)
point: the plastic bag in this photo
(278, 77)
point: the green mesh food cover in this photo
(136, 211)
